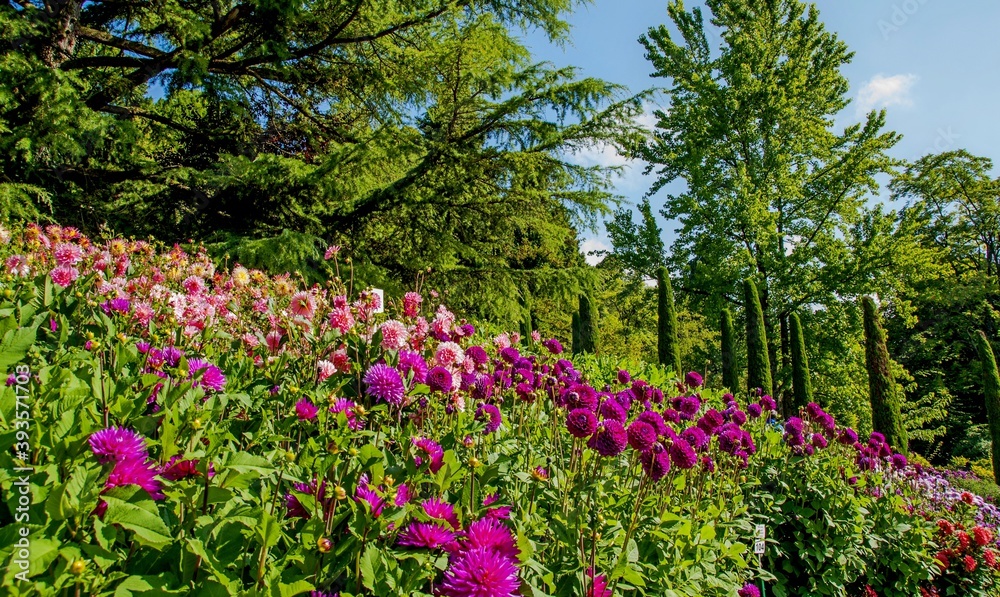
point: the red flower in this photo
(870, 592)
(945, 527)
(982, 536)
(942, 558)
(970, 563)
(967, 497)
(963, 540)
(991, 558)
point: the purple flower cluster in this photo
(127, 451)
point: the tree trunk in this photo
(62, 18)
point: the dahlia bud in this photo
(324, 545)
(340, 493)
(77, 567)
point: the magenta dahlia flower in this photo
(384, 383)
(598, 585)
(655, 462)
(612, 409)
(490, 414)
(439, 380)
(491, 534)
(432, 452)
(749, 590)
(682, 454)
(480, 573)
(610, 438)
(136, 471)
(655, 419)
(366, 493)
(412, 362)
(305, 410)
(641, 435)
(441, 510)
(178, 469)
(295, 507)
(116, 444)
(426, 535)
(693, 379)
(581, 422)
(211, 376)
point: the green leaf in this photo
(15, 345)
(132, 508)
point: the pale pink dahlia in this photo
(303, 305)
(394, 335)
(449, 354)
(68, 254)
(64, 275)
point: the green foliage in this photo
(885, 393)
(419, 135)
(758, 362)
(666, 317)
(801, 385)
(588, 325)
(575, 326)
(991, 394)
(728, 332)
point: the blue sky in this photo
(933, 64)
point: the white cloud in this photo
(593, 244)
(882, 91)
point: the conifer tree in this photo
(758, 363)
(801, 387)
(885, 393)
(991, 392)
(588, 331)
(667, 346)
(575, 331)
(729, 376)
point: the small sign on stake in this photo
(758, 546)
(760, 532)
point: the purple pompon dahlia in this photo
(818, 441)
(439, 379)
(116, 444)
(754, 410)
(641, 435)
(582, 396)
(480, 573)
(653, 418)
(624, 377)
(697, 437)
(689, 407)
(848, 437)
(490, 414)
(610, 438)
(767, 403)
(612, 409)
(710, 421)
(749, 590)
(478, 355)
(491, 534)
(693, 379)
(427, 535)
(581, 422)
(655, 462)
(682, 454)
(553, 346)
(412, 362)
(384, 383)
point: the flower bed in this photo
(228, 432)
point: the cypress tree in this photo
(991, 392)
(575, 331)
(885, 394)
(729, 377)
(667, 346)
(801, 388)
(758, 363)
(588, 331)
(526, 323)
